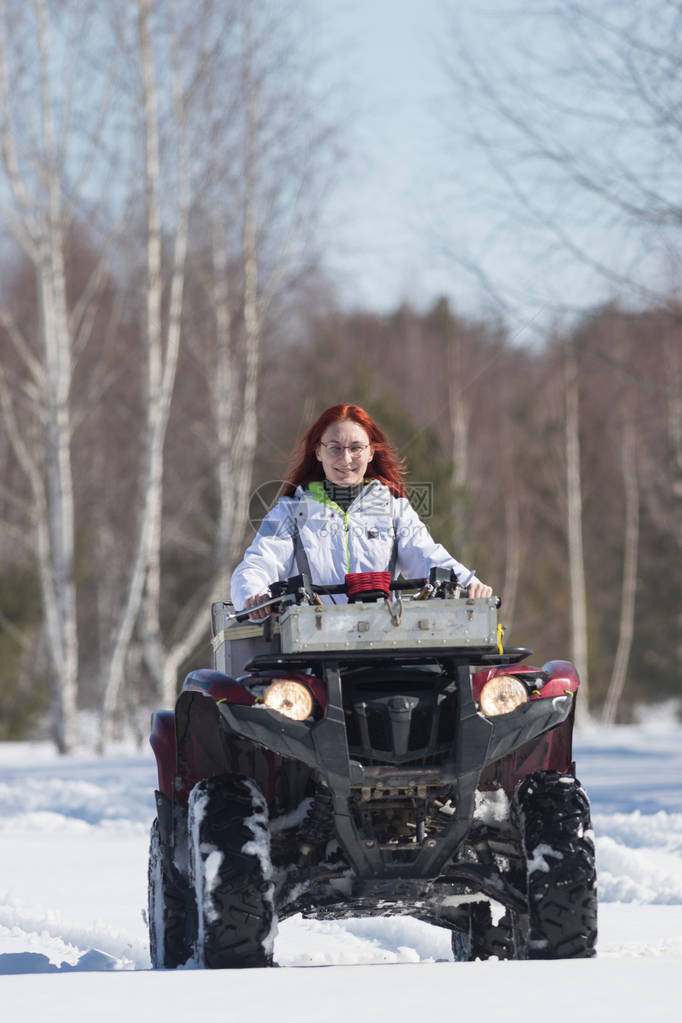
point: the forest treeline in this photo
(166, 335)
(481, 422)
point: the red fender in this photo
(162, 740)
(549, 752)
(563, 678)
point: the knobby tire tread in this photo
(553, 814)
(236, 908)
(168, 893)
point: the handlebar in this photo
(294, 589)
(396, 584)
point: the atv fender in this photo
(162, 741)
(163, 738)
(217, 686)
(555, 678)
(550, 751)
(206, 746)
(561, 678)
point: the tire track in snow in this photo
(93, 817)
(62, 939)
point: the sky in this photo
(384, 56)
(415, 204)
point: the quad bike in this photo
(385, 756)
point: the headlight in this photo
(292, 699)
(502, 694)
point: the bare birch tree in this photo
(626, 626)
(574, 518)
(267, 186)
(512, 527)
(459, 430)
(162, 349)
(43, 172)
(673, 405)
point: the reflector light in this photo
(291, 699)
(501, 695)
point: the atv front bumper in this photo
(323, 746)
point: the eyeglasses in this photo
(336, 450)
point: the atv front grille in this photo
(396, 724)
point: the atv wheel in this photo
(231, 871)
(170, 900)
(552, 812)
(483, 939)
(461, 947)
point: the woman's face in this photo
(345, 453)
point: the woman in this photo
(344, 511)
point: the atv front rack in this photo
(390, 625)
(473, 655)
(439, 616)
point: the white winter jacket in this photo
(337, 542)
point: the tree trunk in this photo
(161, 369)
(247, 434)
(193, 625)
(512, 521)
(459, 416)
(630, 557)
(673, 365)
(236, 445)
(39, 227)
(152, 639)
(576, 562)
(62, 628)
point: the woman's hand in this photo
(479, 589)
(261, 612)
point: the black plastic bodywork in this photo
(323, 746)
(391, 740)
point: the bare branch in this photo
(22, 348)
(26, 230)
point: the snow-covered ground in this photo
(73, 942)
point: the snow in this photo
(537, 861)
(73, 874)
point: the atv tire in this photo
(231, 872)
(485, 940)
(170, 905)
(552, 813)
